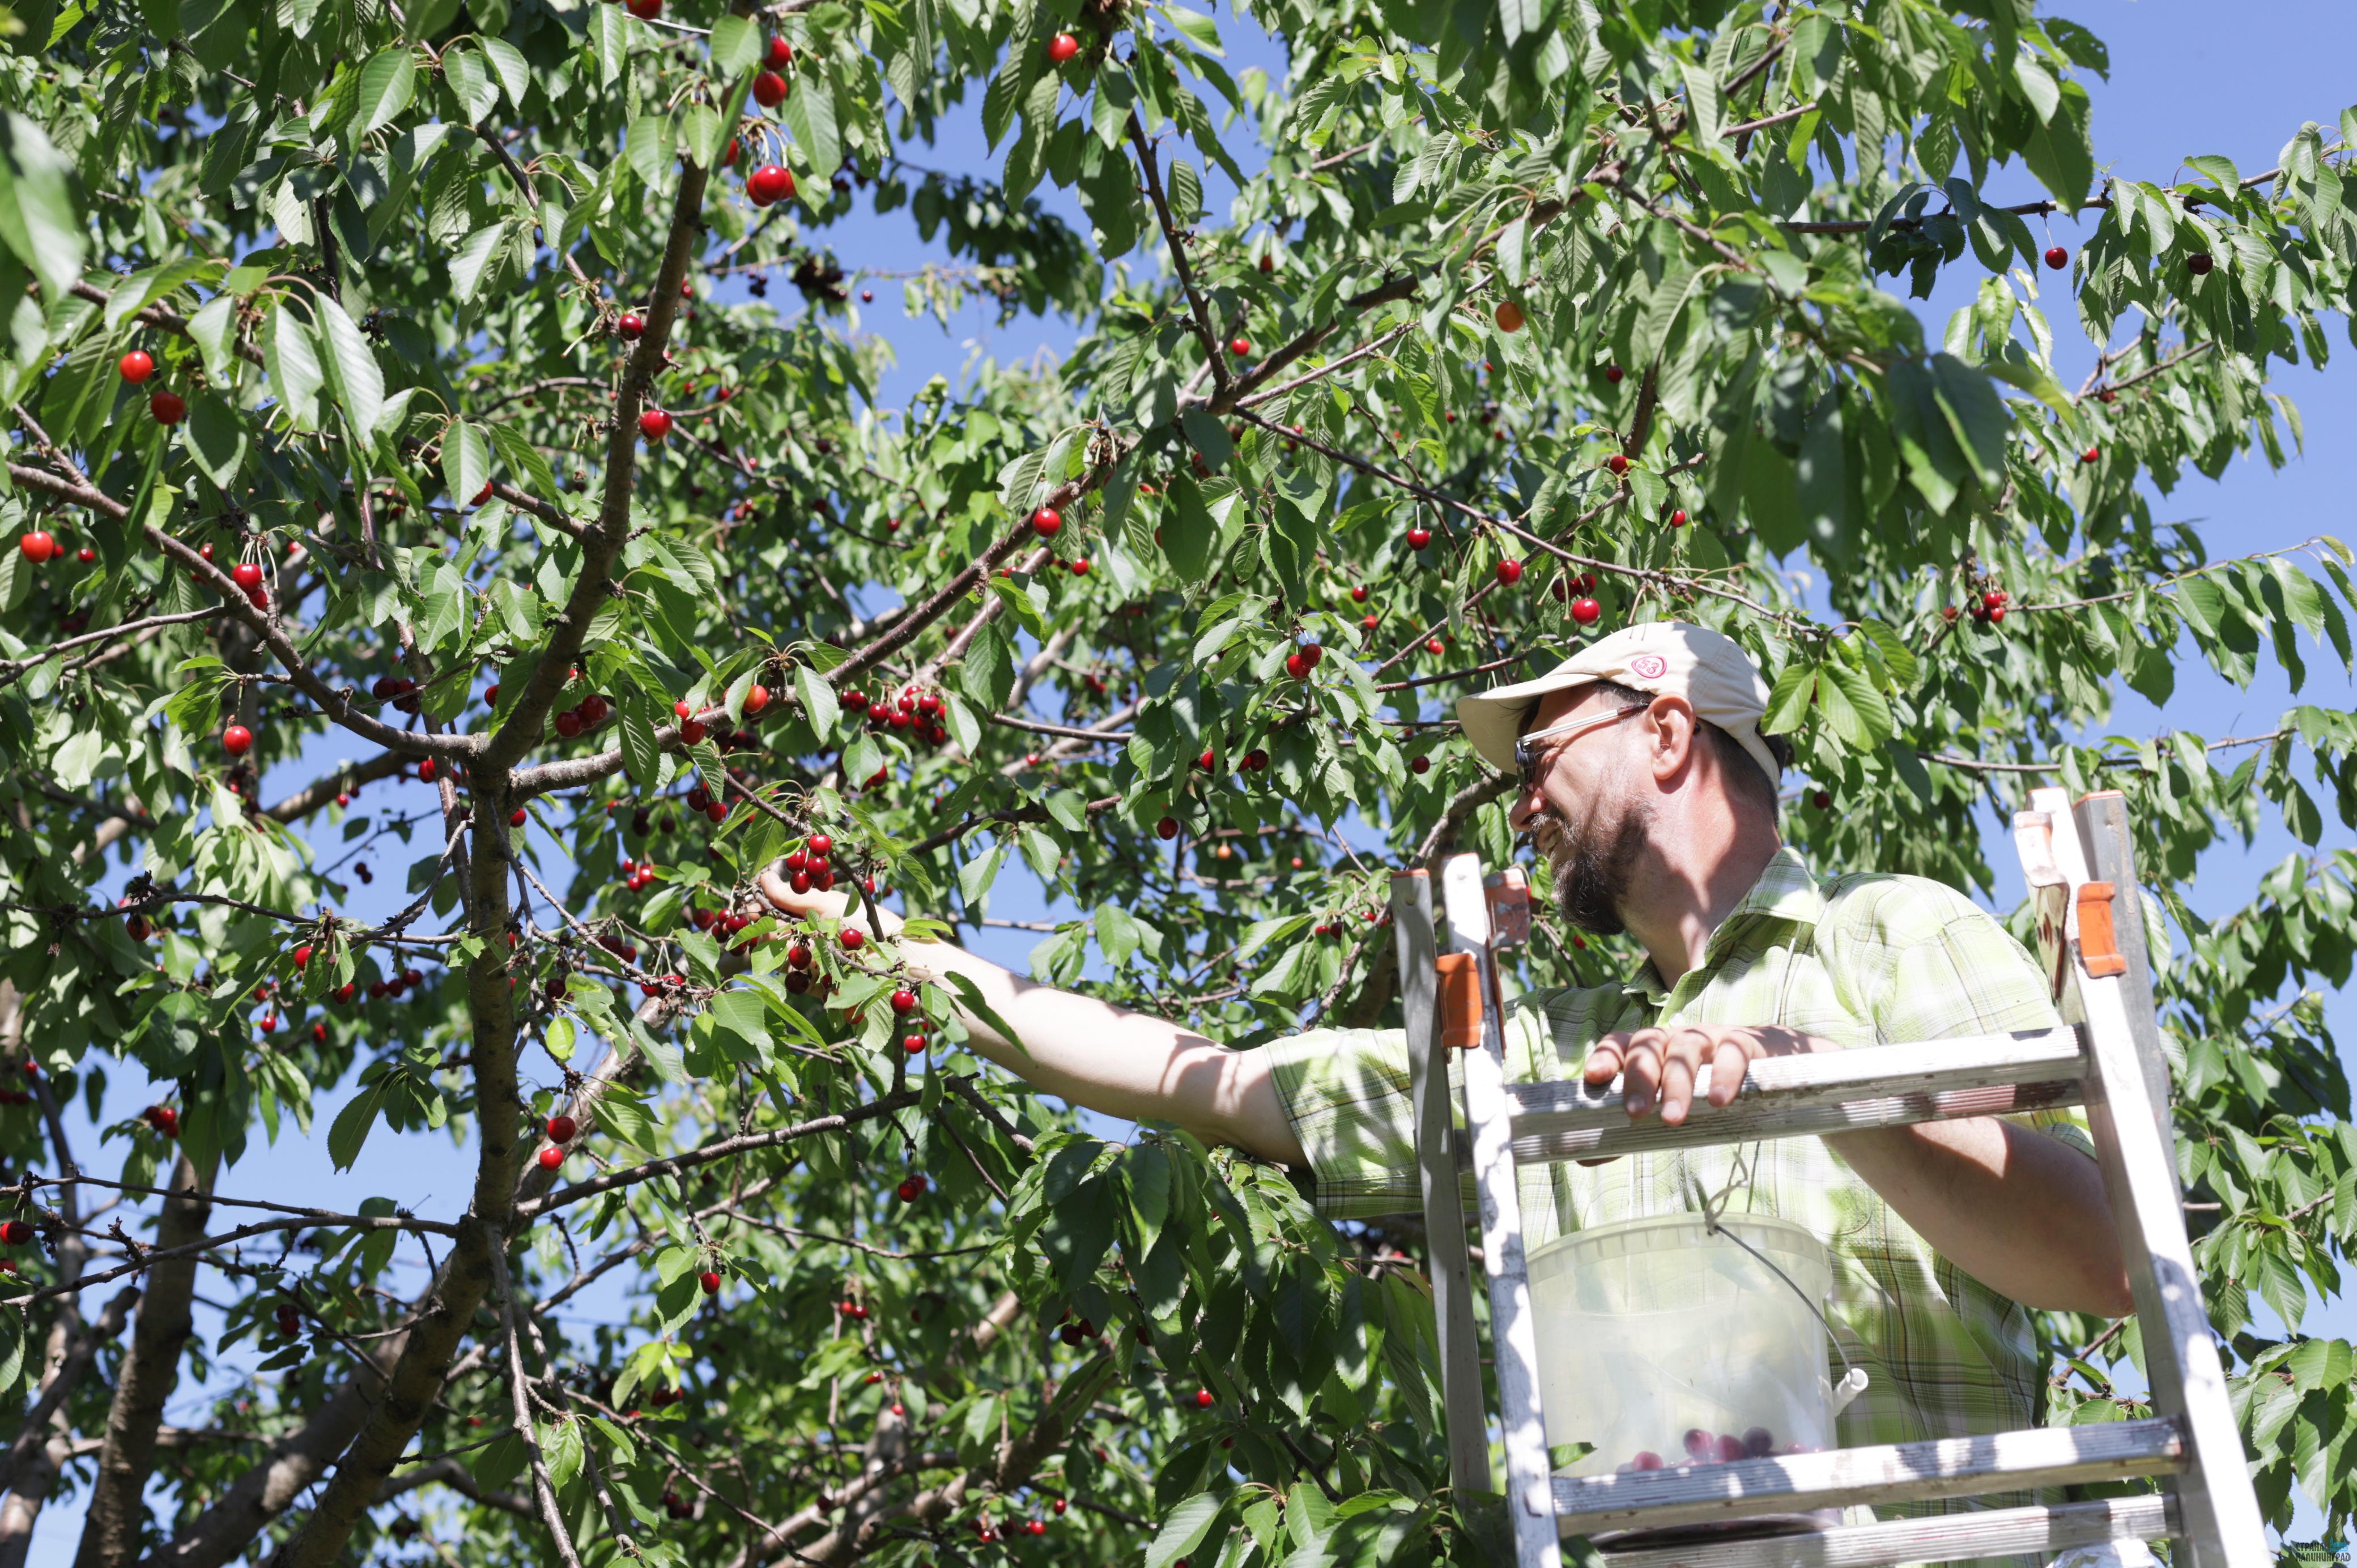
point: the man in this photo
(1645, 783)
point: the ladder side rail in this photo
(2224, 1528)
(2110, 857)
(1513, 1330)
(1890, 1473)
(1465, 1418)
(1936, 1538)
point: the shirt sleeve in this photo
(1937, 966)
(1346, 1093)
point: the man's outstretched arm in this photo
(1092, 1053)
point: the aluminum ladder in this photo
(2079, 865)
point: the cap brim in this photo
(1493, 720)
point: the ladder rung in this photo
(1833, 1092)
(1938, 1537)
(1893, 1473)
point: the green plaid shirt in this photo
(1860, 960)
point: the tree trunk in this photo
(110, 1537)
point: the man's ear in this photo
(1671, 738)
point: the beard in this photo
(1594, 863)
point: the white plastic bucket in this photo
(1663, 1345)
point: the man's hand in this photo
(1659, 1065)
(874, 918)
(1090, 1052)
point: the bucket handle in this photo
(1854, 1378)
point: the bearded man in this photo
(1644, 779)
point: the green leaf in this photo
(387, 83)
(1183, 1530)
(291, 356)
(351, 366)
(819, 704)
(515, 74)
(1188, 530)
(474, 259)
(808, 113)
(735, 45)
(37, 216)
(465, 462)
(352, 1125)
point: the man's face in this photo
(1583, 810)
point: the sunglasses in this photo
(1528, 753)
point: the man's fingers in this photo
(1603, 1060)
(780, 894)
(1641, 1070)
(1677, 1083)
(1728, 1063)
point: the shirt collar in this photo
(1786, 893)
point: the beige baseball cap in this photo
(1669, 657)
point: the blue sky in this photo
(2187, 77)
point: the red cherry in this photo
(781, 54)
(37, 545)
(1255, 760)
(1420, 765)
(1313, 652)
(1047, 523)
(2091, 455)
(1167, 828)
(1208, 761)
(302, 955)
(1617, 463)
(757, 697)
(2200, 263)
(646, 10)
(246, 574)
(1614, 374)
(561, 1128)
(631, 326)
(821, 846)
(170, 408)
(426, 771)
(1202, 1399)
(136, 366)
(1509, 573)
(853, 939)
(2057, 257)
(319, 1032)
(769, 90)
(237, 740)
(912, 1044)
(1509, 316)
(85, 555)
(1417, 538)
(1062, 48)
(710, 1280)
(904, 1002)
(568, 724)
(551, 1158)
(15, 1232)
(1370, 621)
(1079, 565)
(1240, 346)
(516, 818)
(770, 184)
(1584, 611)
(1296, 666)
(269, 1023)
(654, 424)
(1061, 1506)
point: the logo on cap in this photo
(1649, 667)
